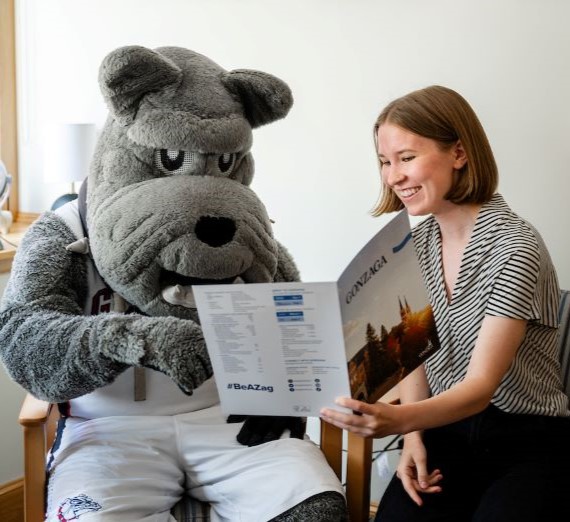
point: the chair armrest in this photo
(331, 446)
(34, 412)
(38, 419)
(359, 467)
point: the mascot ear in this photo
(264, 97)
(130, 72)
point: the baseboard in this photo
(26, 218)
(12, 501)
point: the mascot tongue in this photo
(182, 295)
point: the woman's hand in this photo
(412, 469)
(368, 420)
(380, 420)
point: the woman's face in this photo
(417, 169)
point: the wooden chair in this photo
(39, 422)
(564, 342)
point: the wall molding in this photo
(27, 218)
(12, 501)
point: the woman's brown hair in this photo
(443, 115)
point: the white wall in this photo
(344, 60)
(11, 450)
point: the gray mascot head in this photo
(168, 202)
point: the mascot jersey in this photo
(162, 396)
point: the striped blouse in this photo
(505, 271)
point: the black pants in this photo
(496, 466)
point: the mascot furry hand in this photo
(167, 206)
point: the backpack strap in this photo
(74, 214)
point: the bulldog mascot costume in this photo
(98, 314)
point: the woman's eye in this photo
(226, 162)
(384, 163)
(170, 161)
(408, 158)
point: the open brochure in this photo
(292, 348)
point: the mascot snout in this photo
(215, 231)
(179, 231)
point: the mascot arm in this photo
(56, 352)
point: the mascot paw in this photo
(259, 429)
(169, 345)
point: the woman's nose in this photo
(393, 177)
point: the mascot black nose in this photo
(215, 231)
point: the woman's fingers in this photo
(411, 489)
(354, 405)
(362, 421)
(366, 420)
(354, 423)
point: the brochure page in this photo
(276, 349)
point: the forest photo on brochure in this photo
(388, 323)
(388, 356)
(292, 348)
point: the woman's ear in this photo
(460, 156)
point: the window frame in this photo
(8, 107)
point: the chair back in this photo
(564, 340)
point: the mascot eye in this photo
(226, 163)
(173, 161)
